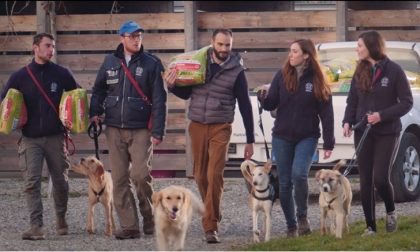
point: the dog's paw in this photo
(90, 231)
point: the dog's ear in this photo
(99, 170)
(267, 166)
(246, 170)
(156, 198)
(318, 175)
(339, 177)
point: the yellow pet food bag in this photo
(190, 67)
(13, 113)
(74, 110)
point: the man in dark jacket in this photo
(211, 111)
(127, 116)
(43, 134)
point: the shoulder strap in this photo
(135, 84)
(41, 90)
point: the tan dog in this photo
(173, 207)
(262, 195)
(334, 199)
(100, 190)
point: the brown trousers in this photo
(209, 143)
(131, 146)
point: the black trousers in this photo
(375, 161)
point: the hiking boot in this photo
(292, 232)
(148, 226)
(62, 227)
(212, 237)
(368, 232)
(391, 222)
(303, 226)
(34, 233)
(127, 234)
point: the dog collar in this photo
(271, 194)
(98, 194)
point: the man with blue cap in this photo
(135, 119)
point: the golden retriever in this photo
(334, 199)
(100, 191)
(262, 195)
(173, 207)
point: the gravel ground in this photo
(235, 228)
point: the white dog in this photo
(173, 209)
(334, 199)
(262, 195)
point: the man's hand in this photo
(96, 119)
(169, 77)
(248, 151)
(156, 141)
(327, 154)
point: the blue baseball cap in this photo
(130, 27)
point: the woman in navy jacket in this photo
(302, 97)
(379, 94)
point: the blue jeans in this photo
(293, 160)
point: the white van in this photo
(339, 61)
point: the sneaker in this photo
(391, 222)
(368, 232)
(34, 233)
(62, 227)
(127, 234)
(148, 226)
(212, 237)
(292, 232)
(303, 226)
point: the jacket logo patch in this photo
(112, 73)
(139, 71)
(112, 81)
(384, 82)
(53, 87)
(309, 87)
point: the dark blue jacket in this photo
(42, 119)
(114, 94)
(390, 96)
(298, 113)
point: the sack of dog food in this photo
(13, 113)
(74, 110)
(190, 67)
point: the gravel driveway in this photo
(235, 229)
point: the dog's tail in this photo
(339, 164)
(196, 203)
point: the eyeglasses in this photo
(135, 36)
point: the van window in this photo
(339, 65)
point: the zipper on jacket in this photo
(123, 100)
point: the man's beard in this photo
(220, 57)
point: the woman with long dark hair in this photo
(379, 95)
(302, 97)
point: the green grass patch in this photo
(407, 237)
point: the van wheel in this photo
(405, 171)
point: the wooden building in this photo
(263, 30)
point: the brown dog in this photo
(334, 199)
(173, 207)
(100, 190)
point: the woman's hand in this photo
(347, 130)
(373, 118)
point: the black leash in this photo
(260, 110)
(94, 133)
(359, 146)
